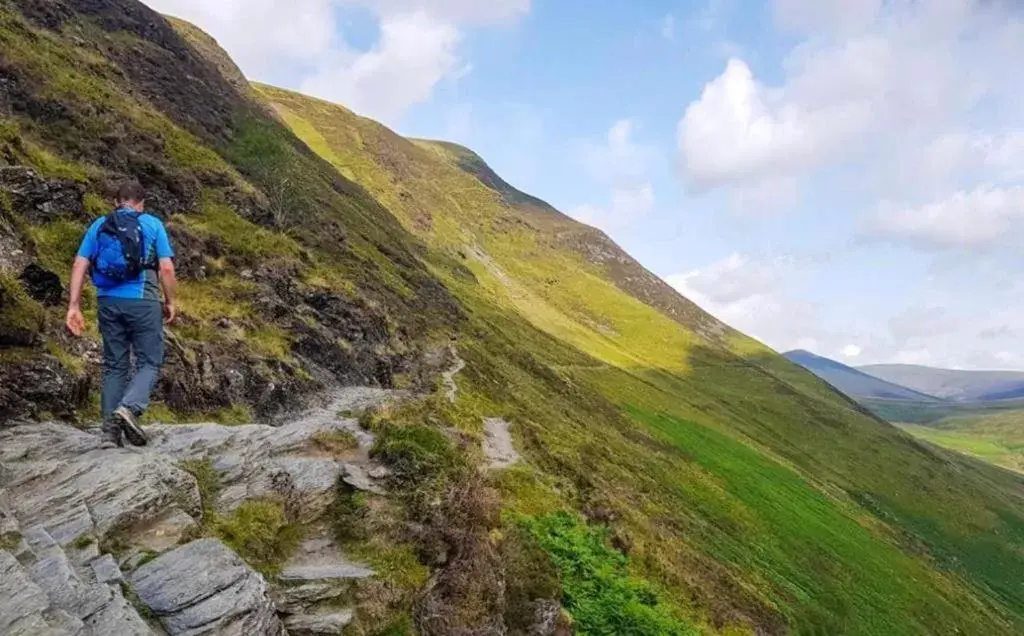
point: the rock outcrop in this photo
(89, 526)
(205, 588)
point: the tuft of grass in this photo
(208, 484)
(348, 514)
(133, 599)
(260, 533)
(83, 541)
(56, 244)
(337, 443)
(147, 556)
(22, 319)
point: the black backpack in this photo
(120, 247)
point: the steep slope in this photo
(950, 384)
(856, 384)
(735, 480)
(675, 477)
(287, 287)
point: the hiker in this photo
(130, 259)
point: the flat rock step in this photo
(321, 560)
(330, 624)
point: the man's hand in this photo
(75, 321)
(170, 313)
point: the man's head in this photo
(132, 195)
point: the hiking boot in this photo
(130, 426)
(111, 434)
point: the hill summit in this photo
(406, 398)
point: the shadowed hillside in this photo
(673, 475)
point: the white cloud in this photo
(414, 53)
(872, 82)
(624, 165)
(750, 294)
(982, 217)
(300, 44)
(626, 206)
(740, 130)
(764, 296)
(458, 11)
(852, 351)
(813, 15)
(618, 158)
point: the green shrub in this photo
(530, 575)
(598, 590)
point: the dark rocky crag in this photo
(94, 91)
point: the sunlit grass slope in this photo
(996, 437)
(752, 497)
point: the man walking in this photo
(130, 260)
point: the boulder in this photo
(205, 588)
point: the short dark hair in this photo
(131, 191)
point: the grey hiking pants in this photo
(129, 327)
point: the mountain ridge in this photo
(855, 382)
(951, 384)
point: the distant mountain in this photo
(948, 384)
(854, 383)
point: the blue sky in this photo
(840, 175)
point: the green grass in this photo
(260, 533)
(598, 589)
(996, 437)
(336, 442)
(670, 481)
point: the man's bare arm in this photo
(169, 283)
(75, 321)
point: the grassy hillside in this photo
(753, 495)
(994, 436)
(678, 477)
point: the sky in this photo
(843, 176)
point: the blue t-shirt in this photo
(147, 285)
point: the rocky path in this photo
(451, 389)
(66, 505)
(497, 446)
(92, 540)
